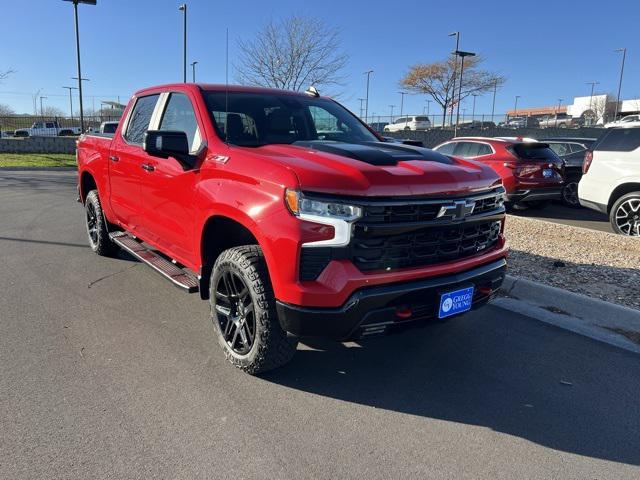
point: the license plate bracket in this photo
(456, 301)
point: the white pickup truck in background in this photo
(46, 129)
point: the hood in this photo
(378, 169)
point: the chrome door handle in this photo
(148, 167)
(113, 158)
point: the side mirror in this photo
(169, 143)
(414, 143)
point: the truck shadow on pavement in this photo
(490, 368)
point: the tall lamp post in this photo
(427, 107)
(71, 101)
(392, 107)
(462, 56)
(473, 110)
(624, 56)
(366, 102)
(515, 106)
(558, 110)
(193, 71)
(183, 9)
(593, 86)
(41, 109)
(493, 105)
(455, 72)
(75, 15)
(361, 100)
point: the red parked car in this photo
(290, 216)
(531, 172)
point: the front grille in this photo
(422, 247)
(398, 233)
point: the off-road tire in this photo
(272, 347)
(100, 243)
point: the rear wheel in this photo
(570, 192)
(243, 312)
(96, 223)
(625, 215)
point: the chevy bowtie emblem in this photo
(457, 210)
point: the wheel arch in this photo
(212, 244)
(87, 183)
(621, 190)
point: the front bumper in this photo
(535, 194)
(384, 308)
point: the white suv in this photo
(611, 179)
(408, 123)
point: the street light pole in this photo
(392, 107)
(461, 55)
(75, 15)
(183, 9)
(493, 105)
(593, 85)
(366, 103)
(361, 106)
(41, 109)
(558, 110)
(515, 107)
(455, 71)
(624, 56)
(473, 110)
(70, 101)
(193, 71)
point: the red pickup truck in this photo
(291, 216)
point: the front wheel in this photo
(625, 215)
(243, 312)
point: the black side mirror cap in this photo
(169, 143)
(415, 143)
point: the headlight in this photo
(338, 215)
(300, 205)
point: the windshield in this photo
(256, 119)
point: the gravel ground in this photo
(597, 264)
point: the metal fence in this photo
(35, 125)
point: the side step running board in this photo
(176, 275)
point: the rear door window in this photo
(619, 140)
(140, 118)
(446, 149)
(467, 149)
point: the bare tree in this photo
(437, 81)
(6, 110)
(5, 73)
(600, 108)
(52, 112)
(292, 54)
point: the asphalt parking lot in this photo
(107, 371)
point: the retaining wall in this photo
(38, 145)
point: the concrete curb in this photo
(578, 313)
(44, 169)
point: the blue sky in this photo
(546, 49)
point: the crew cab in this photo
(532, 173)
(611, 180)
(291, 216)
(46, 129)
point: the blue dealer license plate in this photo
(547, 173)
(455, 302)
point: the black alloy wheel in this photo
(235, 312)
